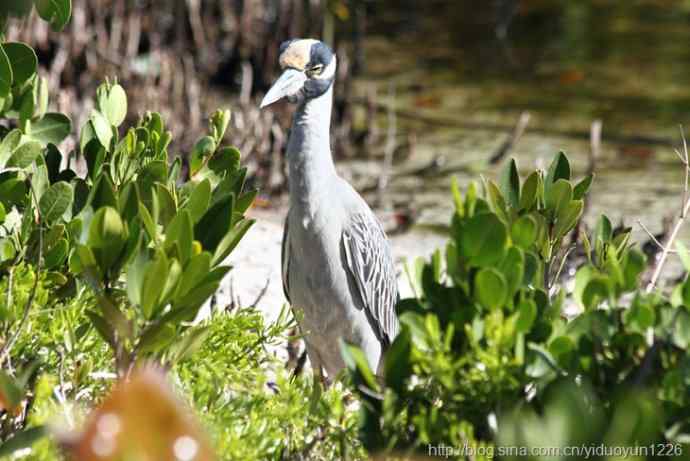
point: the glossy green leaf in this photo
(567, 217)
(215, 224)
(23, 61)
(226, 159)
(25, 154)
(524, 231)
(231, 239)
(180, 234)
(154, 281)
(582, 187)
(52, 128)
(559, 169)
(55, 201)
(527, 314)
(5, 74)
(115, 105)
(596, 290)
(102, 129)
(356, 362)
(490, 288)
(8, 145)
(559, 196)
(483, 240)
(510, 184)
(56, 12)
(202, 149)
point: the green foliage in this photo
(486, 356)
(251, 406)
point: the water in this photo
(463, 71)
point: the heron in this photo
(337, 266)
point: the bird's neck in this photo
(309, 149)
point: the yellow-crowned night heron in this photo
(338, 272)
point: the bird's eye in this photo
(315, 70)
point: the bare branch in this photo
(679, 222)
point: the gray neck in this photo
(309, 150)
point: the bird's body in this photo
(338, 271)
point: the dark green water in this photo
(463, 71)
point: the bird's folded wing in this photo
(285, 260)
(370, 264)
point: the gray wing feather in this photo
(370, 263)
(285, 260)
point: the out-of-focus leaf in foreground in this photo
(140, 420)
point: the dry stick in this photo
(679, 222)
(512, 139)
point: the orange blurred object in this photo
(141, 420)
(571, 76)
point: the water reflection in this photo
(464, 71)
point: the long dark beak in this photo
(289, 83)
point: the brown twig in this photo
(512, 139)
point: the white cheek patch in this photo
(297, 55)
(328, 72)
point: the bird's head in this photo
(308, 71)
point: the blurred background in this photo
(425, 90)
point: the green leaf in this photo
(107, 234)
(6, 76)
(23, 61)
(154, 280)
(103, 193)
(559, 196)
(202, 149)
(21, 440)
(55, 201)
(3, 213)
(56, 12)
(524, 232)
(115, 103)
(582, 187)
(490, 288)
(52, 128)
(57, 255)
(603, 229)
(147, 220)
(102, 129)
(513, 269)
(8, 145)
(559, 169)
(180, 234)
(568, 217)
(498, 203)
(231, 239)
(527, 314)
(194, 272)
(596, 290)
(226, 159)
(634, 263)
(510, 184)
(483, 240)
(25, 154)
(157, 337)
(215, 224)
(357, 363)
(397, 363)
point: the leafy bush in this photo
(487, 358)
